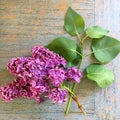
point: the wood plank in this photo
(47, 116)
(24, 24)
(107, 14)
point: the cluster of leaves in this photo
(103, 47)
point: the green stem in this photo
(70, 100)
(91, 53)
(73, 89)
(84, 38)
(75, 84)
(70, 91)
(76, 52)
(88, 54)
(68, 84)
(79, 37)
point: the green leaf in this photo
(98, 73)
(105, 49)
(66, 48)
(96, 32)
(69, 65)
(73, 22)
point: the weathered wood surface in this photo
(25, 23)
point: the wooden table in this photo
(25, 23)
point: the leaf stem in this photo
(88, 54)
(91, 53)
(76, 52)
(84, 38)
(78, 36)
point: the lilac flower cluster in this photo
(39, 76)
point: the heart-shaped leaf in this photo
(73, 22)
(105, 49)
(96, 32)
(98, 73)
(66, 48)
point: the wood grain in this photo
(25, 23)
(107, 14)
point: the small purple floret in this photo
(58, 95)
(56, 76)
(73, 74)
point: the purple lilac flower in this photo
(25, 67)
(73, 74)
(20, 88)
(15, 65)
(39, 75)
(50, 58)
(12, 90)
(56, 76)
(58, 95)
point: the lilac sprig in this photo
(39, 76)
